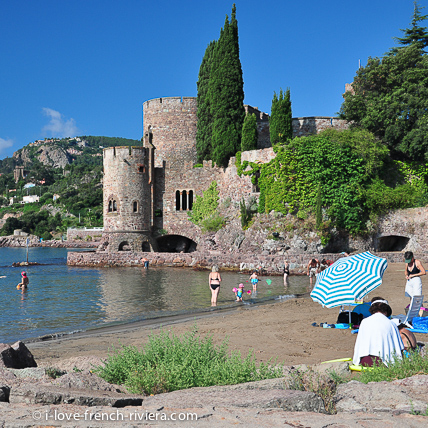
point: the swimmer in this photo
(24, 282)
(214, 280)
(239, 292)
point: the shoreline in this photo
(281, 330)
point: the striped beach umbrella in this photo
(349, 279)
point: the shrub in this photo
(169, 363)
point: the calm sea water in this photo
(64, 299)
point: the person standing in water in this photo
(214, 280)
(254, 279)
(286, 272)
(24, 281)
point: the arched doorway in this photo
(176, 244)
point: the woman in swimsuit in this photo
(214, 280)
(24, 282)
(286, 272)
(414, 271)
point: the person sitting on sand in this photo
(254, 279)
(408, 338)
(24, 282)
(379, 341)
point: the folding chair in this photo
(415, 306)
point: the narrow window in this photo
(135, 207)
(177, 200)
(114, 206)
(110, 206)
(184, 200)
(190, 199)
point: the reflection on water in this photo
(63, 299)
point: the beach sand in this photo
(279, 331)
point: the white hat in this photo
(397, 322)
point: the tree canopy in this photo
(389, 98)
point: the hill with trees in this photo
(66, 174)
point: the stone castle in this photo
(149, 190)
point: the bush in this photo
(170, 363)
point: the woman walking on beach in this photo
(414, 271)
(214, 280)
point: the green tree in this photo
(226, 94)
(390, 99)
(280, 120)
(204, 127)
(249, 133)
(416, 34)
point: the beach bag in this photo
(421, 323)
(343, 318)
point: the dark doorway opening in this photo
(175, 244)
(392, 243)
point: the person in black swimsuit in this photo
(286, 272)
(214, 280)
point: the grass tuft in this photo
(169, 363)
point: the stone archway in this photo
(392, 243)
(175, 244)
(124, 246)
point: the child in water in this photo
(239, 292)
(24, 282)
(254, 279)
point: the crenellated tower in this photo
(128, 197)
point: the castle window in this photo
(183, 200)
(190, 199)
(112, 205)
(141, 169)
(177, 200)
(135, 207)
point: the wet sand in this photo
(279, 331)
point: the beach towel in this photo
(378, 336)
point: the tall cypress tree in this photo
(225, 95)
(249, 133)
(203, 133)
(280, 120)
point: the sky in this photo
(85, 67)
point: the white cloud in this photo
(58, 126)
(4, 144)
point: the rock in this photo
(46, 395)
(401, 396)
(86, 381)
(17, 356)
(293, 401)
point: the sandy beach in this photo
(279, 331)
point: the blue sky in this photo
(84, 67)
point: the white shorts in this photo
(414, 287)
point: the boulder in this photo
(17, 356)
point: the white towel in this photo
(378, 336)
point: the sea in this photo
(65, 299)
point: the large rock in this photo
(400, 396)
(17, 356)
(30, 393)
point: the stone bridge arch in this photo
(391, 242)
(175, 244)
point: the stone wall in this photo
(205, 260)
(83, 234)
(172, 121)
(406, 230)
(303, 126)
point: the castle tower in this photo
(172, 121)
(127, 198)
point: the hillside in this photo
(65, 175)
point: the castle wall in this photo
(303, 126)
(172, 121)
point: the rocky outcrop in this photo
(48, 154)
